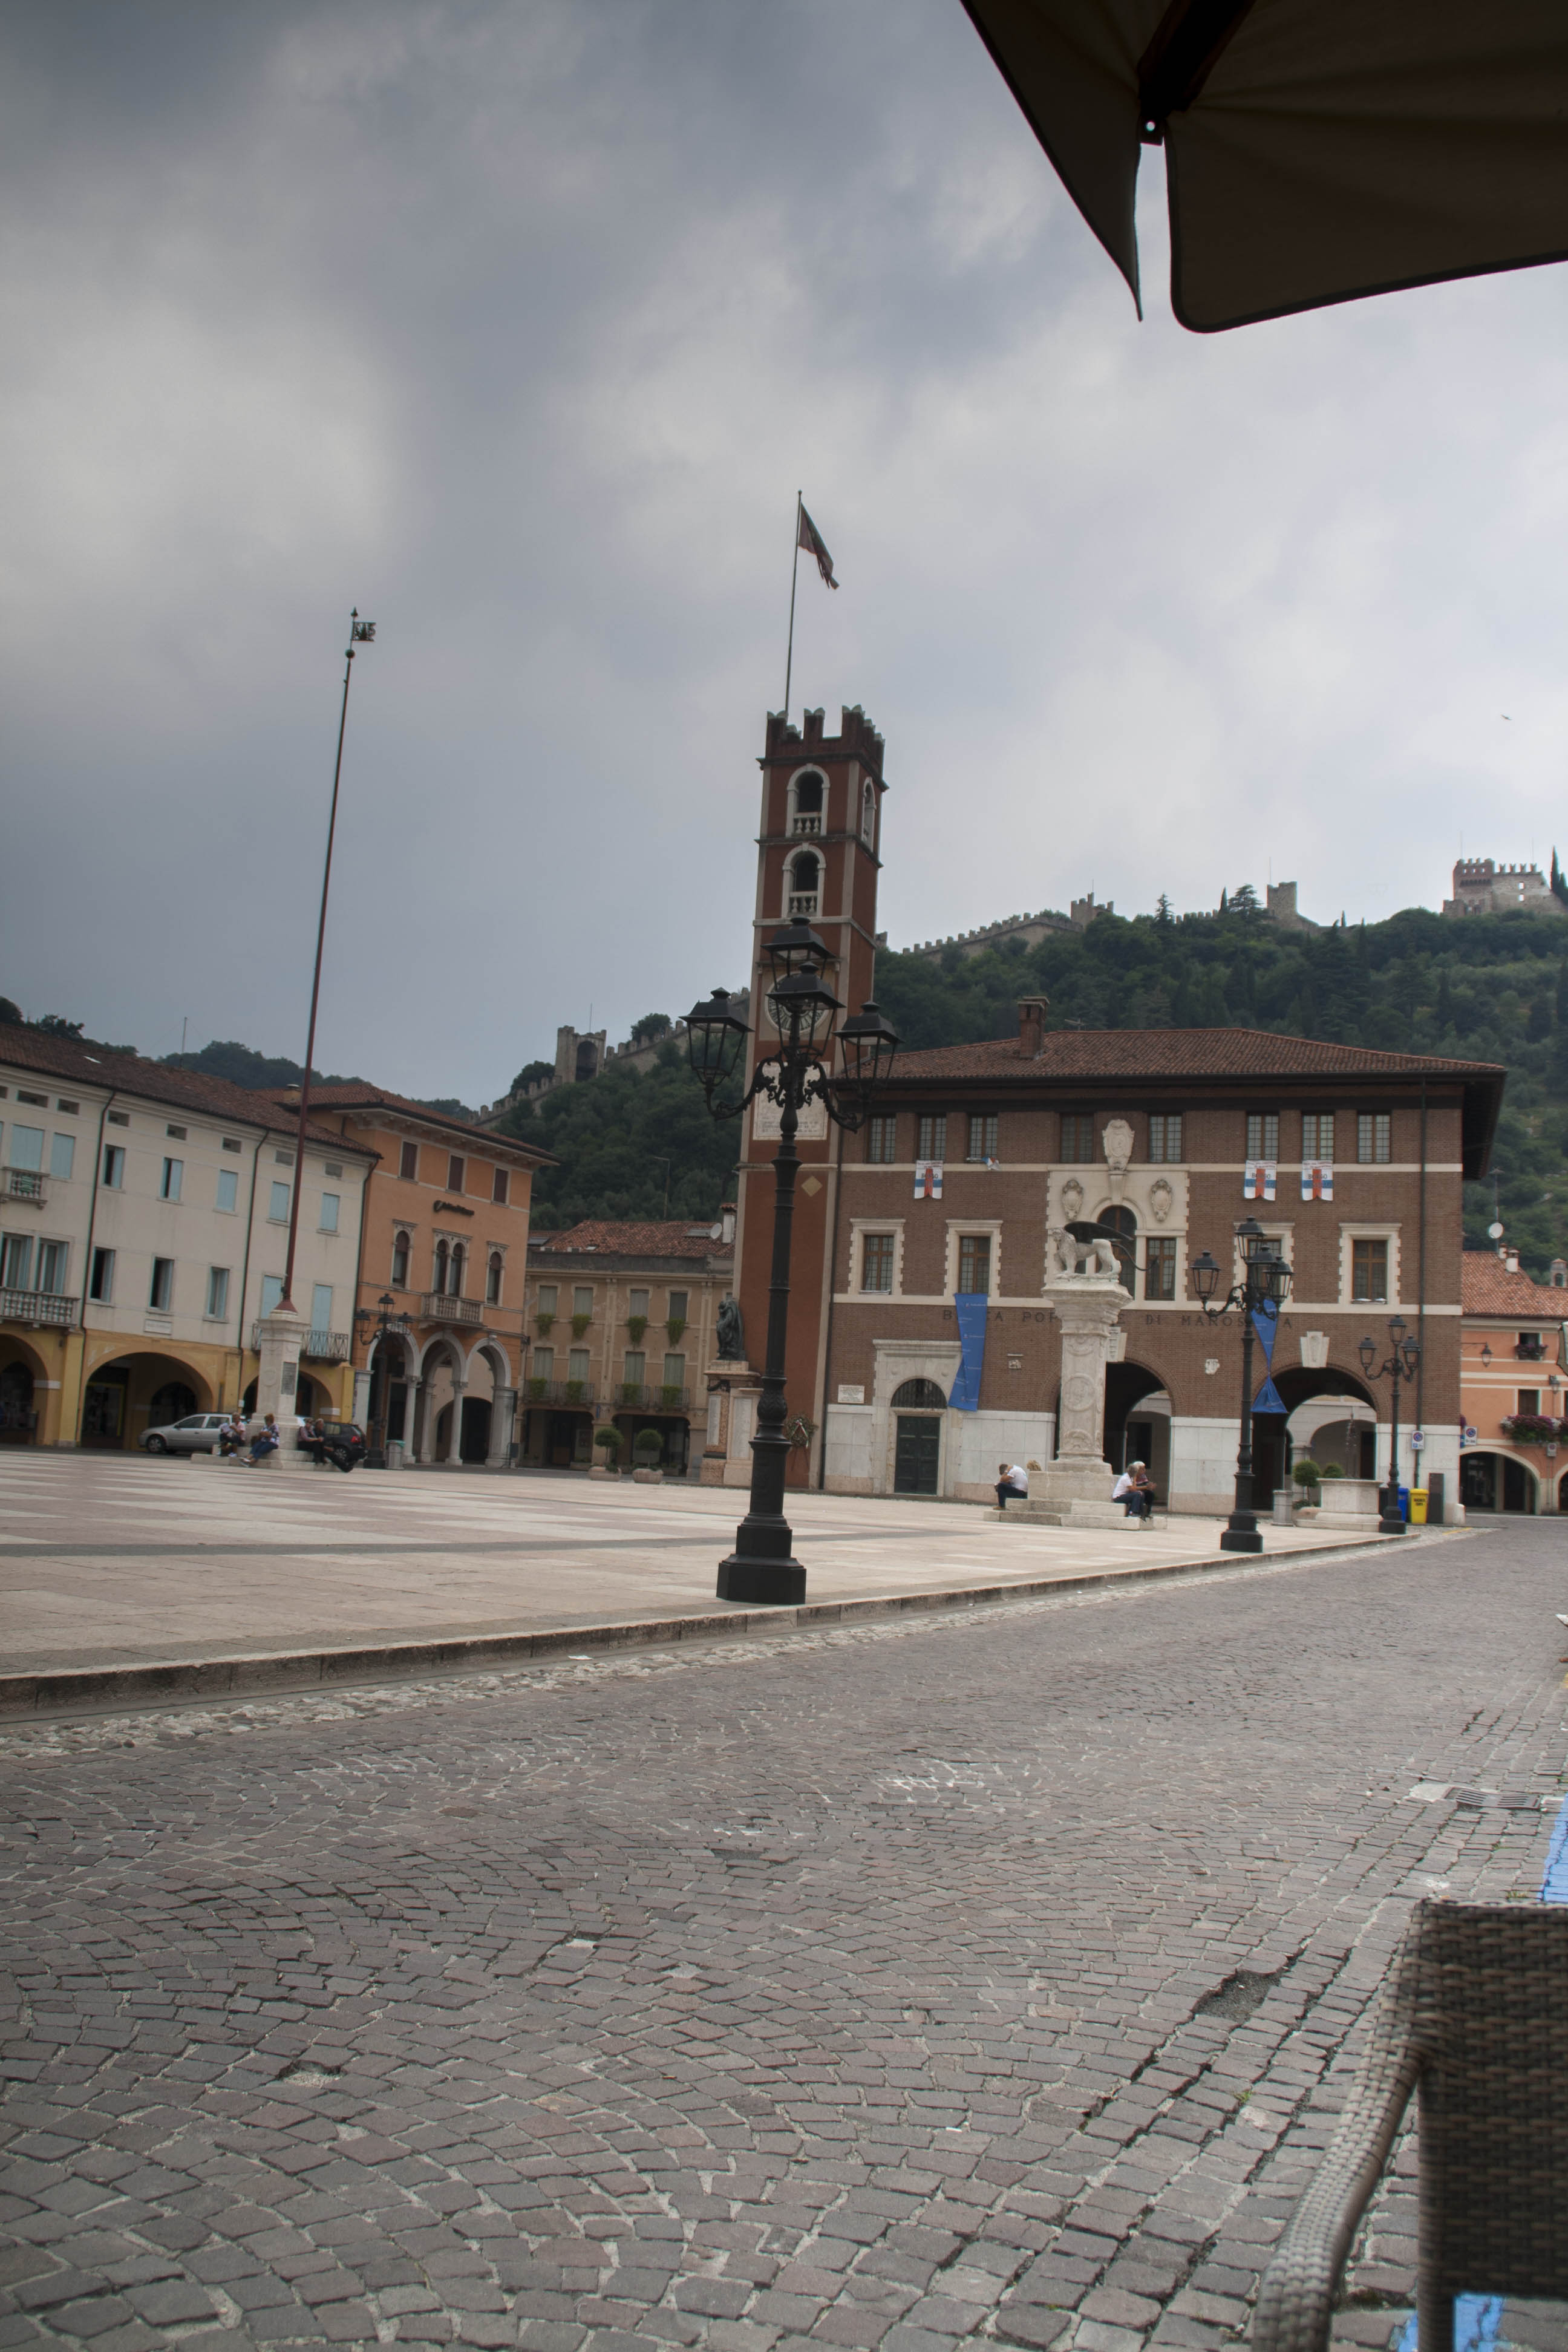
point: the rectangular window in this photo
(331, 1167)
(27, 1147)
(62, 1155)
(1369, 1273)
(636, 1302)
(228, 1188)
(172, 1179)
(677, 1305)
(1372, 1139)
(320, 1308)
(1529, 1398)
(25, 1094)
(409, 1163)
(576, 1363)
(101, 1284)
(1263, 1135)
(278, 1209)
(231, 1143)
(974, 1260)
(16, 1262)
(1164, 1135)
(119, 1118)
(271, 1292)
(1160, 1267)
(982, 1137)
(675, 1371)
(492, 1279)
(582, 1299)
(634, 1367)
(71, 1109)
(545, 1363)
(161, 1291)
(500, 1185)
(548, 1296)
(114, 1166)
(331, 1203)
(454, 1169)
(1077, 1136)
(218, 1293)
(932, 1136)
(881, 1139)
(283, 1158)
(1318, 1135)
(179, 1133)
(52, 1267)
(877, 1262)
(400, 1262)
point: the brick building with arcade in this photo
(980, 1157)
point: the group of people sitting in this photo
(1134, 1488)
(237, 1444)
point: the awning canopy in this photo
(1315, 150)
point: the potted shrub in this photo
(646, 1447)
(543, 1321)
(536, 1388)
(637, 1325)
(1306, 1474)
(579, 1325)
(607, 1441)
(675, 1327)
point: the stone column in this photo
(503, 1416)
(410, 1419)
(1088, 1306)
(362, 1394)
(454, 1436)
(278, 1384)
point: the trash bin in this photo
(1417, 1506)
(1404, 1505)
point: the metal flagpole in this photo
(794, 576)
(360, 633)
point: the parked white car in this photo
(197, 1434)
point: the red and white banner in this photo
(928, 1180)
(1258, 1179)
(1317, 1180)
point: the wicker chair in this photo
(1474, 2014)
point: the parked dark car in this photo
(340, 1441)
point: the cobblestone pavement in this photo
(903, 1986)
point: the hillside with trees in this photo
(631, 1143)
(1492, 988)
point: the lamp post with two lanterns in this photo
(1264, 1280)
(762, 1566)
(1401, 1363)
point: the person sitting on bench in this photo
(1012, 1481)
(1135, 1490)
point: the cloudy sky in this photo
(518, 323)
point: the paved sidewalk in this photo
(117, 1562)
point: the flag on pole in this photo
(1317, 1180)
(811, 539)
(928, 1180)
(1258, 1179)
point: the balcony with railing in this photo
(808, 821)
(802, 902)
(1530, 1348)
(25, 1184)
(558, 1391)
(38, 1307)
(652, 1396)
(324, 1347)
(440, 1306)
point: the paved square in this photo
(981, 1979)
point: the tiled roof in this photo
(1489, 1287)
(356, 1094)
(70, 1060)
(665, 1238)
(1183, 1054)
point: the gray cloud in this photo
(520, 325)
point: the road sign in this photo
(1467, 1436)
(1417, 1440)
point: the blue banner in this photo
(1266, 1323)
(970, 1307)
(1269, 1399)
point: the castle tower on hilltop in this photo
(818, 855)
(1481, 888)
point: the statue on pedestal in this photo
(731, 1342)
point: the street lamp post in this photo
(389, 1319)
(1403, 1359)
(762, 1566)
(1264, 1280)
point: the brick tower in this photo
(817, 856)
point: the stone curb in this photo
(107, 1687)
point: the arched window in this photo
(919, 1396)
(869, 814)
(807, 801)
(440, 1282)
(805, 884)
(1123, 1222)
(458, 1253)
(493, 1283)
(400, 1262)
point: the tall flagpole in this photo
(794, 576)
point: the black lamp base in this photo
(1391, 1526)
(779, 1583)
(1241, 1539)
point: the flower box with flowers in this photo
(1532, 1428)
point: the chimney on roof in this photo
(727, 1224)
(1032, 1012)
(1510, 1259)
